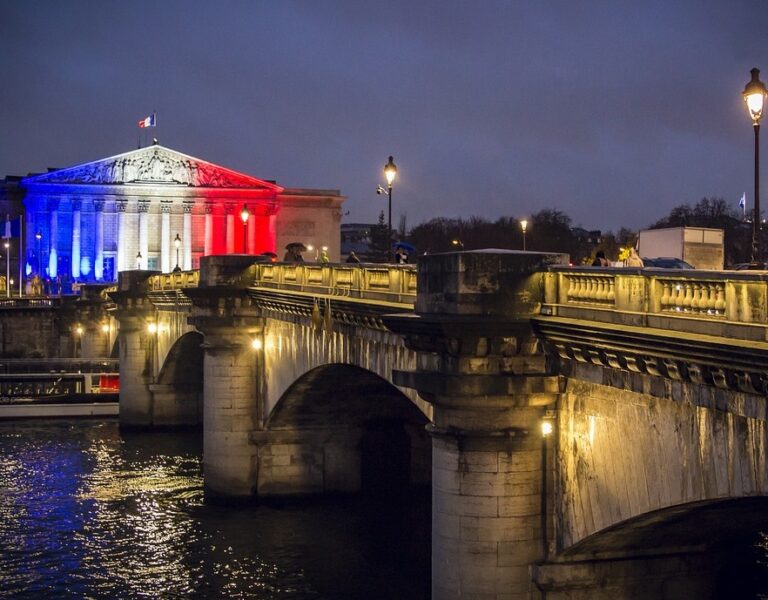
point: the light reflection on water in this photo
(88, 512)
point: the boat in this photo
(60, 394)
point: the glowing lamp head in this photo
(38, 236)
(546, 428)
(754, 96)
(390, 171)
(456, 242)
(256, 344)
(524, 225)
(105, 328)
(177, 241)
(79, 330)
(6, 244)
(152, 328)
(245, 214)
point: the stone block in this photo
(481, 506)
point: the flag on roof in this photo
(150, 121)
(743, 201)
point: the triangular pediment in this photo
(152, 165)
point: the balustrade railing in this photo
(721, 301)
(172, 281)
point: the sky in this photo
(611, 112)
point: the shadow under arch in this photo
(178, 387)
(370, 427)
(727, 535)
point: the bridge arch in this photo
(340, 427)
(178, 389)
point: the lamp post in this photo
(7, 246)
(244, 214)
(458, 243)
(177, 244)
(138, 260)
(390, 172)
(754, 96)
(38, 237)
(524, 227)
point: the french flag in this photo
(148, 122)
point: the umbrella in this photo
(405, 246)
(296, 246)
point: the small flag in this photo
(743, 201)
(150, 121)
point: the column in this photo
(53, 242)
(208, 248)
(230, 211)
(165, 237)
(122, 259)
(186, 235)
(76, 238)
(98, 266)
(251, 249)
(143, 234)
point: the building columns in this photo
(53, 242)
(98, 265)
(230, 211)
(76, 239)
(165, 237)
(187, 236)
(208, 248)
(120, 206)
(143, 235)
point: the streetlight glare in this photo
(754, 96)
(256, 344)
(152, 328)
(390, 171)
(244, 214)
(546, 428)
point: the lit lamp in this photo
(458, 243)
(8, 282)
(524, 227)
(754, 96)
(177, 244)
(244, 214)
(390, 172)
(38, 237)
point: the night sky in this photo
(612, 114)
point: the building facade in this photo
(158, 209)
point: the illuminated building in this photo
(89, 221)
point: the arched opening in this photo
(178, 389)
(727, 538)
(375, 439)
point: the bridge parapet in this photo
(728, 304)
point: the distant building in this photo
(356, 237)
(92, 220)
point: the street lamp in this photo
(754, 96)
(138, 260)
(38, 237)
(524, 227)
(390, 172)
(177, 243)
(244, 214)
(458, 243)
(7, 245)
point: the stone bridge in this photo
(587, 432)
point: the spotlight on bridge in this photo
(546, 427)
(256, 344)
(79, 330)
(105, 328)
(152, 328)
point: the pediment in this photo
(152, 165)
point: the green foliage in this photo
(379, 249)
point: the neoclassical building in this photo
(154, 208)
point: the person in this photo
(324, 257)
(293, 255)
(600, 260)
(401, 257)
(352, 258)
(634, 260)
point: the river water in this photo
(89, 512)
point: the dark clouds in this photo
(613, 114)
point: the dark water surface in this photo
(89, 512)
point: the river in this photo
(87, 511)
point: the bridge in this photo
(587, 432)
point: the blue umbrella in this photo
(405, 246)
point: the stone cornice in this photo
(695, 358)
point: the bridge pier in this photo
(481, 369)
(136, 370)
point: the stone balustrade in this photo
(728, 303)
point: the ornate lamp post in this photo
(177, 244)
(244, 215)
(390, 172)
(524, 227)
(754, 96)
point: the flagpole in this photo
(21, 261)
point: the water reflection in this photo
(88, 512)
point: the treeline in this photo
(551, 230)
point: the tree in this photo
(380, 243)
